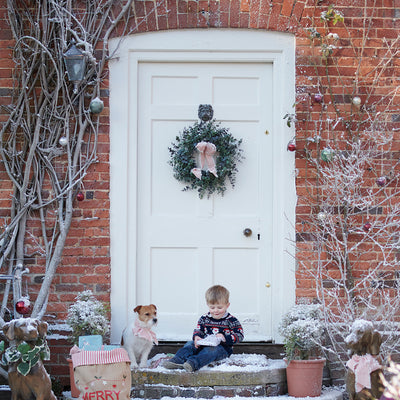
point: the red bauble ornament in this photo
(381, 181)
(318, 98)
(367, 227)
(80, 196)
(23, 306)
(291, 146)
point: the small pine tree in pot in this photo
(303, 333)
(87, 316)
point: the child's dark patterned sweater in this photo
(228, 325)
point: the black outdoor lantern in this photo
(75, 63)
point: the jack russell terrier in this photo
(138, 338)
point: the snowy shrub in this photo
(87, 316)
(302, 330)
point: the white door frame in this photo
(196, 46)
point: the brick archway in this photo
(283, 16)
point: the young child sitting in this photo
(215, 334)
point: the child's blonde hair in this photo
(217, 294)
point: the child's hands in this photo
(221, 336)
(196, 339)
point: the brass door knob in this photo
(267, 284)
(247, 232)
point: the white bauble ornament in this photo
(63, 141)
(322, 216)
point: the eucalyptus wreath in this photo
(183, 160)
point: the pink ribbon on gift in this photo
(144, 332)
(207, 151)
(362, 366)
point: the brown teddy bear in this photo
(363, 374)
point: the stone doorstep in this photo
(209, 377)
(206, 392)
(157, 392)
(208, 383)
(205, 384)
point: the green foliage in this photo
(332, 15)
(183, 158)
(302, 330)
(26, 355)
(57, 387)
(290, 118)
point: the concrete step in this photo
(326, 394)
(250, 376)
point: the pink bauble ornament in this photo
(80, 196)
(23, 306)
(318, 98)
(291, 146)
(367, 227)
(381, 181)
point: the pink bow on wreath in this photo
(207, 151)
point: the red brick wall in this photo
(86, 260)
(380, 24)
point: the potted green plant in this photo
(87, 316)
(303, 331)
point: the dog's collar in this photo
(26, 355)
(144, 332)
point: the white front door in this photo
(186, 244)
(169, 246)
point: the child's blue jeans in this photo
(199, 357)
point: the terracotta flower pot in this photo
(74, 390)
(304, 377)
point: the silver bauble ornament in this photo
(96, 105)
(327, 154)
(322, 216)
(63, 141)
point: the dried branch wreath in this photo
(216, 151)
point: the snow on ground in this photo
(236, 362)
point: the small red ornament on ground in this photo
(80, 196)
(367, 227)
(23, 306)
(291, 146)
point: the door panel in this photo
(186, 244)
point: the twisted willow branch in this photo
(44, 173)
